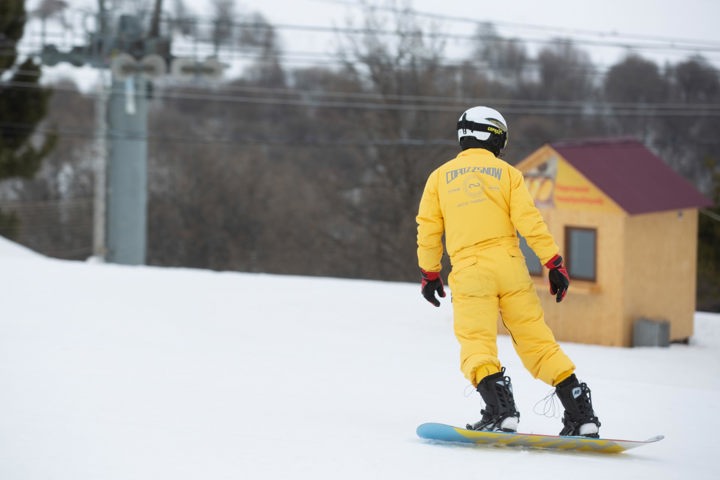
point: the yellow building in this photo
(627, 227)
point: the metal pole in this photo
(99, 248)
(127, 172)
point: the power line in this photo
(207, 22)
(554, 30)
(237, 51)
(638, 41)
(407, 102)
(632, 42)
(273, 141)
(308, 59)
(319, 59)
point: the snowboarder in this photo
(479, 203)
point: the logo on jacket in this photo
(491, 171)
(474, 186)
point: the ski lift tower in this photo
(135, 57)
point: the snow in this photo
(114, 372)
(9, 249)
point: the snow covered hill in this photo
(110, 372)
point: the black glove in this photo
(559, 278)
(431, 283)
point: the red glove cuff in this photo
(430, 276)
(555, 262)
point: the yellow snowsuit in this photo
(479, 202)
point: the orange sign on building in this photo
(554, 183)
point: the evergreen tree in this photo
(708, 264)
(23, 104)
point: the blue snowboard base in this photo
(439, 432)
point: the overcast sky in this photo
(626, 21)
(605, 29)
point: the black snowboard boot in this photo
(500, 414)
(579, 418)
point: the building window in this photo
(581, 251)
(533, 262)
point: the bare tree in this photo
(181, 20)
(257, 34)
(399, 69)
(690, 142)
(222, 23)
(506, 59)
(634, 85)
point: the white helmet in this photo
(485, 124)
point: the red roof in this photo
(635, 178)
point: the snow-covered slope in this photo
(10, 249)
(111, 372)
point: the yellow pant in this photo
(491, 280)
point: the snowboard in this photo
(439, 432)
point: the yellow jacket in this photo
(477, 200)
